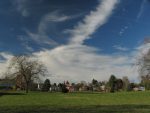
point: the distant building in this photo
(103, 88)
(17, 83)
(7, 84)
(140, 88)
(69, 86)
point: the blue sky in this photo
(58, 29)
(127, 27)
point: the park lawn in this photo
(41, 102)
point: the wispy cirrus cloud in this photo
(57, 16)
(54, 17)
(41, 36)
(141, 9)
(122, 31)
(92, 21)
(25, 44)
(21, 7)
(29, 48)
(120, 48)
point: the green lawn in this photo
(39, 102)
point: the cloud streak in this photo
(122, 31)
(92, 22)
(56, 16)
(118, 47)
(41, 37)
(141, 9)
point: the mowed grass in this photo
(40, 102)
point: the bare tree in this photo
(27, 67)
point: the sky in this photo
(76, 39)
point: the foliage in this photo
(64, 89)
(95, 82)
(112, 82)
(131, 86)
(119, 84)
(46, 85)
(115, 84)
(145, 81)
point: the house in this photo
(140, 88)
(7, 84)
(103, 88)
(136, 89)
(69, 86)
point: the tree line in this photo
(27, 69)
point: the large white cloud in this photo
(4, 63)
(78, 62)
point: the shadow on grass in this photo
(78, 109)
(10, 93)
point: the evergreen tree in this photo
(64, 89)
(94, 82)
(46, 85)
(112, 83)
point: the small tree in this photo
(55, 88)
(27, 67)
(131, 86)
(94, 82)
(112, 82)
(64, 89)
(46, 85)
(119, 84)
(60, 87)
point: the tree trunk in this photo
(27, 87)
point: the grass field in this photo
(40, 102)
